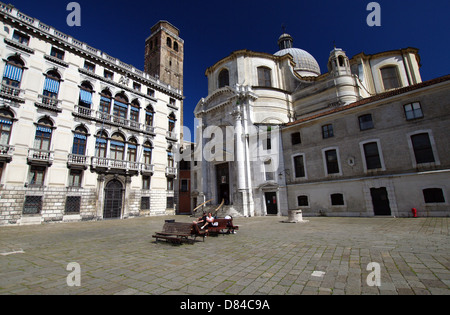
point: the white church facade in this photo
(365, 138)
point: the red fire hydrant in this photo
(414, 212)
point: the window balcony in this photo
(87, 113)
(172, 135)
(40, 157)
(12, 93)
(49, 103)
(171, 171)
(77, 161)
(6, 153)
(105, 164)
(147, 169)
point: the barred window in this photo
(337, 199)
(170, 202)
(33, 205)
(433, 195)
(145, 203)
(302, 201)
(73, 204)
(327, 131)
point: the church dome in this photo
(305, 63)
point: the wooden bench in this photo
(177, 232)
(222, 224)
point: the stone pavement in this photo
(266, 257)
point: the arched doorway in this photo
(113, 200)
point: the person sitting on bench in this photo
(209, 221)
(201, 221)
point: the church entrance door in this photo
(223, 183)
(271, 203)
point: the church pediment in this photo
(219, 98)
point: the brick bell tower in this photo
(164, 56)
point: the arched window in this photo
(391, 78)
(12, 76)
(117, 147)
(132, 150)
(224, 78)
(86, 95)
(169, 42)
(51, 88)
(6, 122)
(149, 115)
(101, 144)
(172, 120)
(43, 137)
(120, 106)
(148, 148)
(79, 141)
(105, 102)
(134, 112)
(175, 46)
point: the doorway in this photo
(113, 200)
(271, 203)
(380, 201)
(223, 183)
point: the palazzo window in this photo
(51, 88)
(117, 147)
(6, 122)
(43, 136)
(105, 102)
(12, 75)
(147, 153)
(85, 95)
(120, 109)
(172, 120)
(79, 141)
(132, 150)
(36, 176)
(134, 111)
(101, 145)
(75, 177)
(32, 205)
(57, 53)
(21, 38)
(149, 114)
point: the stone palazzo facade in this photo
(85, 136)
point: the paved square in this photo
(265, 257)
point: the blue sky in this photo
(213, 29)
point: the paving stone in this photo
(266, 257)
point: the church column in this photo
(240, 160)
